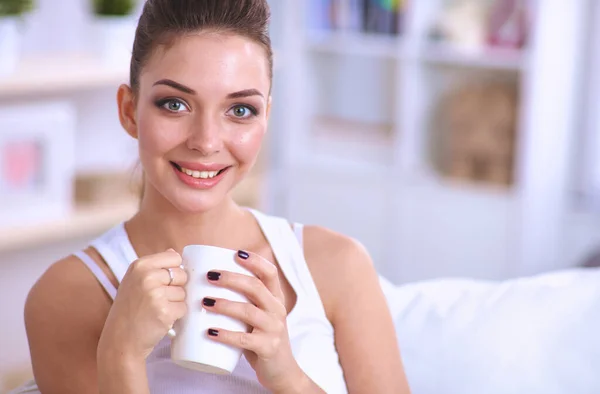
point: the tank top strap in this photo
(299, 231)
(98, 273)
(288, 251)
(116, 250)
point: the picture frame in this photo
(37, 162)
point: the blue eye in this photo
(243, 111)
(172, 105)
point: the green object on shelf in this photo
(15, 7)
(391, 5)
(113, 7)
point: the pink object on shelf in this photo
(509, 23)
(22, 165)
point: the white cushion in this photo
(532, 335)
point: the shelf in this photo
(432, 180)
(91, 220)
(486, 58)
(85, 221)
(326, 164)
(353, 43)
(58, 74)
(361, 146)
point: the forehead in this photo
(210, 62)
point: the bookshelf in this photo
(489, 58)
(361, 130)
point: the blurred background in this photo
(453, 138)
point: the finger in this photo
(243, 311)
(175, 293)
(253, 288)
(160, 277)
(178, 274)
(178, 310)
(264, 270)
(168, 259)
(242, 340)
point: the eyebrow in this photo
(188, 90)
(175, 85)
(245, 93)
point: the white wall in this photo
(18, 272)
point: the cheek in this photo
(156, 134)
(245, 146)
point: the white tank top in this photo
(311, 334)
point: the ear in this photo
(269, 102)
(126, 103)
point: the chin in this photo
(194, 202)
(193, 205)
(191, 201)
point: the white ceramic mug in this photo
(191, 347)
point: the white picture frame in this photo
(37, 162)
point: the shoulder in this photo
(323, 244)
(338, 264)
(67, 288)
(64, 315)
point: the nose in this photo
(205, 137)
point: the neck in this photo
(159, 225)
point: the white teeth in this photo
(200, 174)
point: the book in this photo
(366, 16)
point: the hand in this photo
(267, 347)
(146, 306)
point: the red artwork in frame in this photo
(22, 165)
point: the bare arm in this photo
(364, 331)
(64, 315)
(120, 374)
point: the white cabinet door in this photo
(448, 231)
(349, 204)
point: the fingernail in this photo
(209, 301)
(212, 275)
(212, 332)
(243, 255)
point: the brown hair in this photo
(163, 21)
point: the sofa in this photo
(539, 334)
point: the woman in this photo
(198, 105)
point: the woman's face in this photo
(200, 116)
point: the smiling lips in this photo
(200, 176)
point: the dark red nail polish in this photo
(213, 332)
(213, 275)
(243, 255)
(209, 301)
